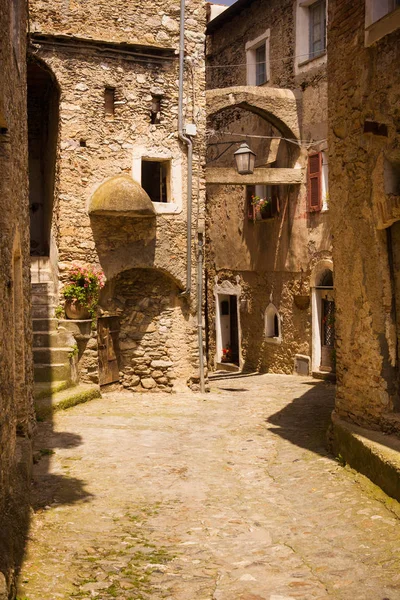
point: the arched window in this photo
(272, 324)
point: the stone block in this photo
(161, 364)
(148, 383)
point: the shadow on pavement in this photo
(50, 487)
(305, 421)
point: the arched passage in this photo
(43, 114)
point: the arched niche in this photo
(272, 325)
(322, 314)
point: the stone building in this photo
(16, 410)
(269, 270)
(117, 182)
(364, 146)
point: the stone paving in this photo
(227, 496)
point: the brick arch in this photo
(277, 106)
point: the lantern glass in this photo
(245, 160)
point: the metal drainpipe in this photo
(199, 309)
(186, 140)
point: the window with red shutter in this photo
(315, 182)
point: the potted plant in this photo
(81, 293)
(262, 208)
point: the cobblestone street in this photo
(230, 496)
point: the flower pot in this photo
(74, 310)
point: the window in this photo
(257, 58)
(262, 202)
(381, 18)
(314, 182)
(272, 325)
(155, 179)
(261, 65)
(317, 28)
(310, 33)
(109, 101)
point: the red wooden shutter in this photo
(250, 191)
(315, 182)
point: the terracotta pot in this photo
(74, 310)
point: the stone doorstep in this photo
(372, 453)
(66, 399)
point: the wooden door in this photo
(108, 334)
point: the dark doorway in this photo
(43, 109)
(234, 330)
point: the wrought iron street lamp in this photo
(245, 160)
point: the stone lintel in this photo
(260, 176)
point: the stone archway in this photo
(273, 104)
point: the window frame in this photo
(164, 169)
(251, 47)
(271, 319)
(379, 25)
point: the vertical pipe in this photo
(199, 310)
(186, 140)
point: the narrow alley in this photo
(228, 496)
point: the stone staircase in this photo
(51, 347)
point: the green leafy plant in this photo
(74, 351)
(84, 287)
(261, 203)
(59, 312)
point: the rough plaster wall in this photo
(16, 408)
(277, 255)
(363, 84)
(157, 336)
(226, 46)
(111, 144)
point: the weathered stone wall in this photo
(94, 147)
(157, 340)
(16, 409)
(226, 54)
(274, 259)
(364, 85)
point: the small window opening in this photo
(272, 323)
(109, 101)
(3, 130)
(155, 179)
(155, 115)
(262, 202)
(375, 128)
(82, 143)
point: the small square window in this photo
(155, 179)
(262, 202)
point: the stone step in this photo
(44, 325)
(43, 311)
(53, 339)
(44, 389)
(68, 398)
(51, 355)
(41, 276)
(43, 299)
(44, 289)
(54, 372)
